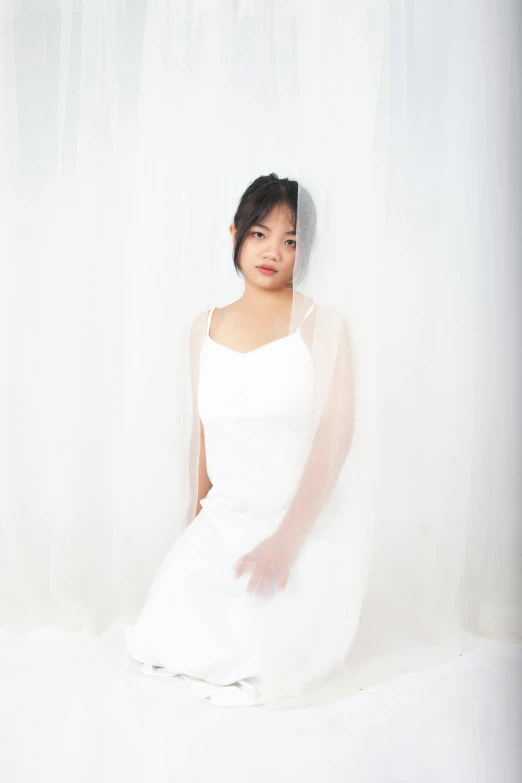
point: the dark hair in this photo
(259, 199)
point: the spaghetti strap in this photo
(208, 320)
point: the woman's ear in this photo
(233, 232)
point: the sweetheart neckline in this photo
(254, 350)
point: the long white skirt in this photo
(239, 648)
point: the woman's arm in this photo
(204, 483)
(330, 447)
(199, 482)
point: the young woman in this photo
(243, 606)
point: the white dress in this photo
(198, 621)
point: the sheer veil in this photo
(380, 602)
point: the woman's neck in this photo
(258, 300)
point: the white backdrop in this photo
(129, 130)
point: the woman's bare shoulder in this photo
(199, 324)
(199, 320)
(228, 312)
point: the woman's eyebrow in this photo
(262, 225)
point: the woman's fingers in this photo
(283, 578)
(254, 579)
(242, 563)
(263, 571)
(265, 579)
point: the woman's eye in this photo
(262, 235)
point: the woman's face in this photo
(270, 244)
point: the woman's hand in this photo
(274, 554)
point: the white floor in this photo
(73, 710)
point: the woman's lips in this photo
(266, 270)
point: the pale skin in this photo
(261, 315)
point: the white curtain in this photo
(128, 131)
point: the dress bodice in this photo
(256, 409)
